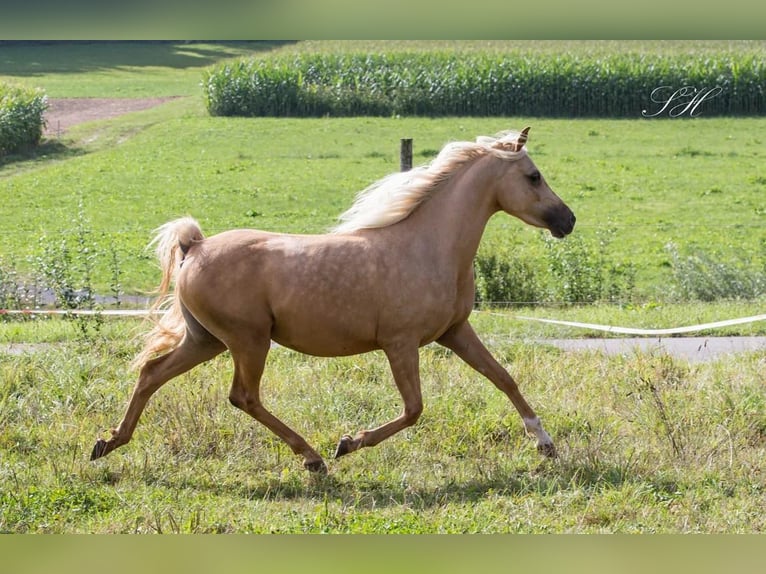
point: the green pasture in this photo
(693, 183)
(648, 443)
(653, 187)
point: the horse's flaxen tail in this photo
(173, 241)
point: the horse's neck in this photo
(452, 222)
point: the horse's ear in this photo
(522, 139)
(515, 145)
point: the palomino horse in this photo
(395, 275)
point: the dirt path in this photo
(694, 349)
(63, 113)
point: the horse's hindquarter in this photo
(325, 295)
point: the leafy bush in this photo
(699, 276)
(575, 271)
(489, 84)
(21, 117)
(503, 278)
(582, 272)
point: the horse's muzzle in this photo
(560, 221)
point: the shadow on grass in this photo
(548, 479)
(366, 493)
(48, 149)
(29, 59)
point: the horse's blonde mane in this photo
(395, 196)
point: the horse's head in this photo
(524, 193)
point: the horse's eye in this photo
(535, 178)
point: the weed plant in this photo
(584, 273)
(700, 276)
(575, 271)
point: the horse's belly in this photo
(361, 331)
(315, 331)
(323, 342)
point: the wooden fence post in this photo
(405, 155)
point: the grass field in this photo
(661, 185)
(647, 443)
(697, 184)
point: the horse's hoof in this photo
(316, 466)
(344, 446)
(548, 450)
(99, 449)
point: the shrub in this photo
(575, 271)
(699, 276)
(21, 117)
(583, 273)
(503, 278)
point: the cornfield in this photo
(482, 84)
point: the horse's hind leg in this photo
(245, 395)
(466, 344)
(191, 352)
(404, 364)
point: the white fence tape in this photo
(104, 312)
(593, 326)
(648, 332)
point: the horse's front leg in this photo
(404, 361)
(462, 339)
